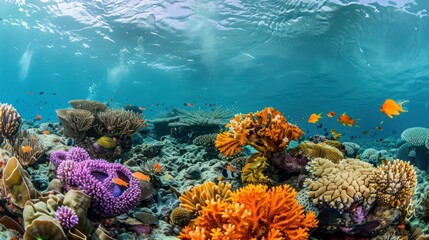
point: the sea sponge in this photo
(253, 172)
(342, 186)
(415, 135)
(395, 183)
(314, 150)
(255, 212)
(267, 131)
(195, 199)
(106, 142)
(180, 216)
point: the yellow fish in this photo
(314, 118)
(335, 134)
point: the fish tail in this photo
(400, 106)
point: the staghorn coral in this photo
(119, 123)
(253, 173)
(205, 139)
(314, 150)
(255, 212)
(195, 199)
(342, 186)
(76, 122)
(201, 117)
(267, 131)
(10, 121)
(395, 183)
(89, 105)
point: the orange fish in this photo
(379, 128)
(246, 167)
(330, 114)
(157, 166)
(230, 168)
(141, 176)
(38, 117)
(120, 182)
(29, 93)
(26, 148)
(189, 104)
(390, 107)
(46, 132)
(142, 108)
(314, 118)
(346, 120)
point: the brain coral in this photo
(343, 186)
(395, 184)
(314, 150)
(415, 135)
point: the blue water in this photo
(299, 56)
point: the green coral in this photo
(106, 142)
(253, 171)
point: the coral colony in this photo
(110, 174)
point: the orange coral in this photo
(255, 212)
(267, 131)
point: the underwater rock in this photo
(146, 217)
(417, 155)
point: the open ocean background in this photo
(298, 56)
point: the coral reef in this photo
(10, 121)
(267, 131)
(342, 186)
(253, 172)
(89, 105)
(118, 123)
(200, 118)
(415, 135)
(180, 217)
(27, 148)
(205, 139)
(255, 212)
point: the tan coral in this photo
(343, 186)
(314, 150)
(267, 131)
(119, 123)
(196, 198)
(10, 121)
(395, 183)
(89, 105)
(76, 122)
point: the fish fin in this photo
(344, 113)
(389, 115)
(400, 106)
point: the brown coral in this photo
(195, 199)
(395, 183)
(76, 122)
(314, 150)
(10, 121)
(89, 105)
(119, 123)
(26, 157)
(342, 186)
(267, 131)
(255, 212)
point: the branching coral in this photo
(27, 148)
(119, 123)
(255, 212)
(267, 131)
(89, 105)
(253, 173)
(395, 184)
(342, 186)
(195, 199)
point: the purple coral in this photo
(67, 217)
(57, 157)
(77, 154)
(95, 178)
(64, 171)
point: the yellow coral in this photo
(196, 198)
(255, 212)
(253, 173)
(267, 131)
(323, 150)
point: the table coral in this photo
(255, 212)
(267, 131)
(343, 186)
